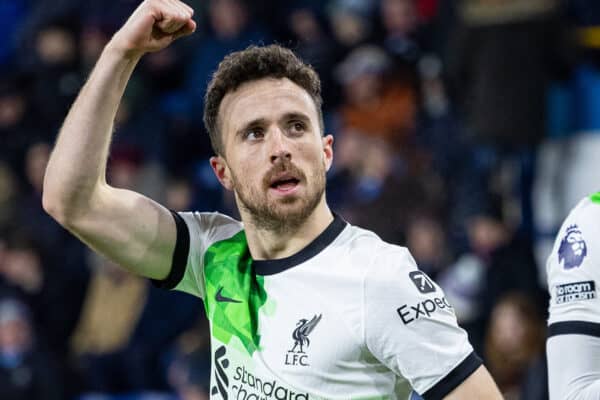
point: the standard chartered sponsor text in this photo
(248, 387)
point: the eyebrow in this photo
(248, 125)
(296, 115)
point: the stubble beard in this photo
(284, 215)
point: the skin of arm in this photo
(125, 226)
(478, 386)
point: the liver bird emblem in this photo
(303, 328)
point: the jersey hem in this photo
(453, 379)
(180, 255)
(574, 328)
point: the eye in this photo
(297, 126)
(254, 134)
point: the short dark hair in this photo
(252, 64)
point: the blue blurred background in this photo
(464, 130)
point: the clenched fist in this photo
(153, 26)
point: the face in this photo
(275, 158)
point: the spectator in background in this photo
(14, 14)
(26, 372)
(375, 104)
(32, 218)
(8, 196)
(350, 23)
(500, 61)
(229, 28)
(499, 261)
(314, 45)
(426, 239)
(52, 288)
(56, 70)
(378, 161)
(400, 29)
(19, 124)
(514, 345)
(112, 307)
(189, 369)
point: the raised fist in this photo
(153, 26)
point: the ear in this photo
(221, 170)
(328, 151)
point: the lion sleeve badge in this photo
(573, 249)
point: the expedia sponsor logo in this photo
(246, 386)
(575, 291)
(425, 308)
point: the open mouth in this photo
(285, 184)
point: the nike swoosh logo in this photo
(220, 298)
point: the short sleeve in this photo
(573, 267)
(573, 270)
(411, 328)
(573, 367)
(196, 232)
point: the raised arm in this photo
(129, 228)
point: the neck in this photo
(268, 244)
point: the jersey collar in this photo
(271, 267)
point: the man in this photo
(573, 267)
(302, 305)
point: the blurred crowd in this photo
(464, 130)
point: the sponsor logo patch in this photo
(423, 283)
(573, 249)
(575, 291)
(233, 382)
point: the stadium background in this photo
(464, 130)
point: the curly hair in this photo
(252, 64)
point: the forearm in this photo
(78, 162)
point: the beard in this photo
(282, 215)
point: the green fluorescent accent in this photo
(228, 265)
(595, 197)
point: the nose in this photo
(279, 146)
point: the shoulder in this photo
(578, 238)
(213, 225)
(382, 264)
(370, 252)
(573, 266)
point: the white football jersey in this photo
(347, 317)
(573, 268)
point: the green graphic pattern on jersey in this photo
(595, 197)
(228, 267)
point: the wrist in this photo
(116, 50)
